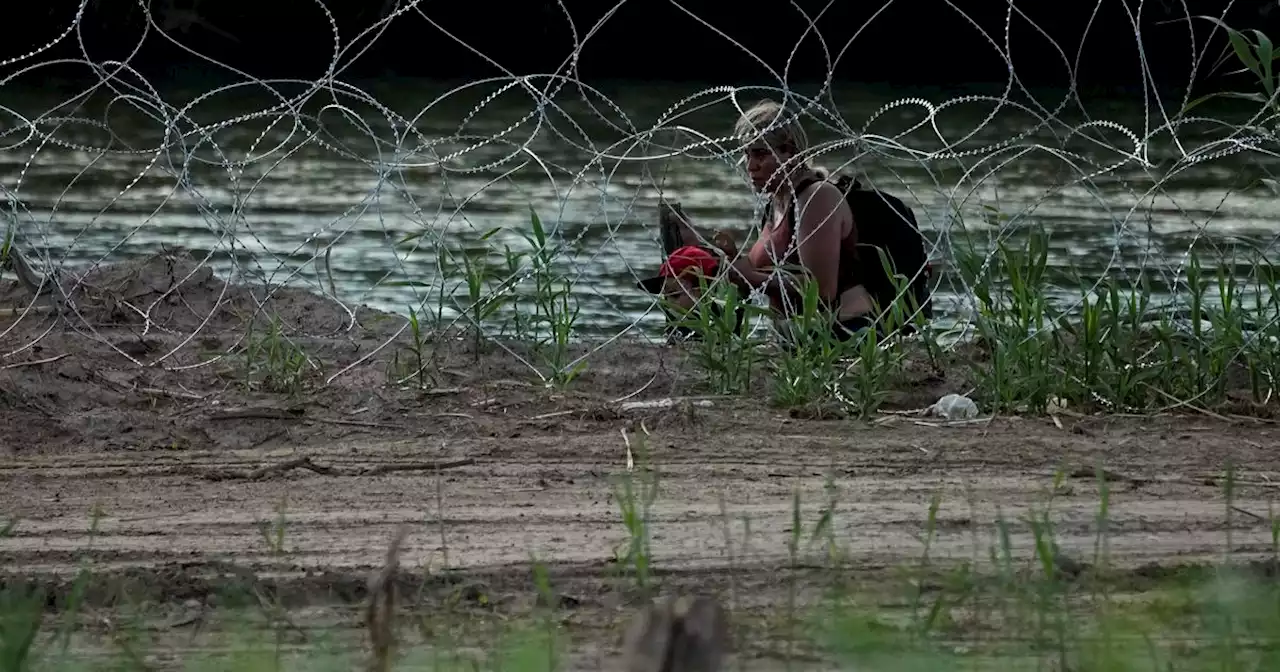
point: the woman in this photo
(808, 228)
(807, 224)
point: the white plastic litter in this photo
(954, 407)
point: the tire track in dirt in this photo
(551, 495)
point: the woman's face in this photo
(763, 163)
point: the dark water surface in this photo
(262, 193)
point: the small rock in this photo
(954, 407)
(72, 370)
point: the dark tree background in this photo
(907, 41)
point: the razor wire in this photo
(465, 178)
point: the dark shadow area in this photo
(917, 42)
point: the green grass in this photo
(1014, 609)
(1110, 347)
(525, 298)
(272, 362)
(1111, 343)
(1113, 347)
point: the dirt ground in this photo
(131, 407)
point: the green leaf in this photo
(1254, 97)
(1198, 101)
(1266, 56)
(407, 283)
(1239, 44)
(1244, 52)
(1240, 95)
(539, 235)
(411, 237)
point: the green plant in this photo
(635, 492)
(1258, 56)
(411, 361)
(879, 360)
(807, 372)
(441, 287)
(550, 602)
(872, 374)
(273, 532)
(1013, 324)
(21, 618)
(1117, 344)
(723, 350)
(513, 261)
(272, 361)
(6, 245)
(480, 282)
(556, 308)
(1261, 354)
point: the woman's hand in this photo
(727, 242)
(744, 274)
(742, 265)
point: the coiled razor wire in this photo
(187, 149)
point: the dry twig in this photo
(684, 633)
(305, 462)
(380, 612)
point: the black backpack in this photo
(884, 224)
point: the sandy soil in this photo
(185, 467)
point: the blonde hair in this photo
(767, 121)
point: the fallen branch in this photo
(1091, 473)
(1178, 403)
(554, 414)
(268, 471)
(325, 470)
(1248, 513)
(357, 423)
(18, 312)
(190, 396)
(415, 466)
(35, 362)
(954, 423)
(296, 413)
(658, 404)
(262, 413)
(441, 391)
(269, 438)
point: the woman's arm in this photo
(818, 237)
(774, 282)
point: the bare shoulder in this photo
(822, 202)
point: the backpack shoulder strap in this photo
(805, 184)
(800, 188)
(846, 183)
(842, 181)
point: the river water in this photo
(110, 178)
